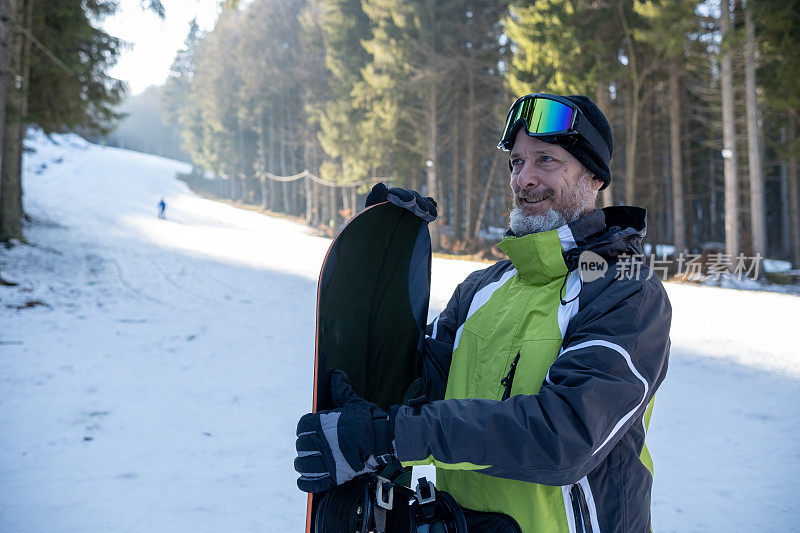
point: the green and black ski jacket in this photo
(542, 383)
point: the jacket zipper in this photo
(583, 523)
(509, 379)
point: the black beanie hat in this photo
(581, 149)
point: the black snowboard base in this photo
(372, 303)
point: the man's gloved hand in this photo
(424, 208)
(337, 445)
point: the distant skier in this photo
(162, 208)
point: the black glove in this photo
(424, 208)
(337, 445)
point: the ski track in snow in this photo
(158, 386)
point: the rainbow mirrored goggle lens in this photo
(541, 115)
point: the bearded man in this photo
(542, 369)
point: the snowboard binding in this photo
(380, 505)
(435, 511)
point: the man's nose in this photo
(528, 177)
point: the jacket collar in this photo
(537, 257)
(609, 232)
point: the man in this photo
(542, 374)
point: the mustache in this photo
(534, 195)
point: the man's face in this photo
(550, 186)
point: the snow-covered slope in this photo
(152, 371)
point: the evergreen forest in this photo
(299, 106)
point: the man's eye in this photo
(546, 159)
(516, 162)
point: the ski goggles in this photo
(551, 118)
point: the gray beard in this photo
(522, 224)
(580, 200)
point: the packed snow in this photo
(152, 371)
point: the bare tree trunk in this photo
(729, 137)
(6, 14)
(786, 228)
(270, 166)
(607, 197)
(333, 208)
(689, 213)
(431, 114)
(315, 204)
(455, 197)
(284, 125)
(469, 157)
(631, 144)
(633, 110)
(11, 212)
(322, 205)
(344, 199)
(430, 165)
(678, 228)
(711, 227)
(9, 218)
(240, 164)
(649, 178)
(11, 186)
(793, 175)
(296, 195)
(757, 213)
(262, 182)
(306, 180)
(262, 141)
(603, 100)
(309, 196)
(25, 68)
(487, 189)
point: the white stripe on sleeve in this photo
(624, 353)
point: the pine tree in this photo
(729, 134)
(757, 213)
(341, 117)
(61, 60)
(276, 77)
(215, 97)
(573, 47)
(667, 28)
(778, 41)
(481, 101)
(552, 51)
(174, 95)
(407, 84)
(339, 27)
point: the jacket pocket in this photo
(508, 381)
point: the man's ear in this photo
(596, 183)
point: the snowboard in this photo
(372, 304)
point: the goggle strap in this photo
(590, 133)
